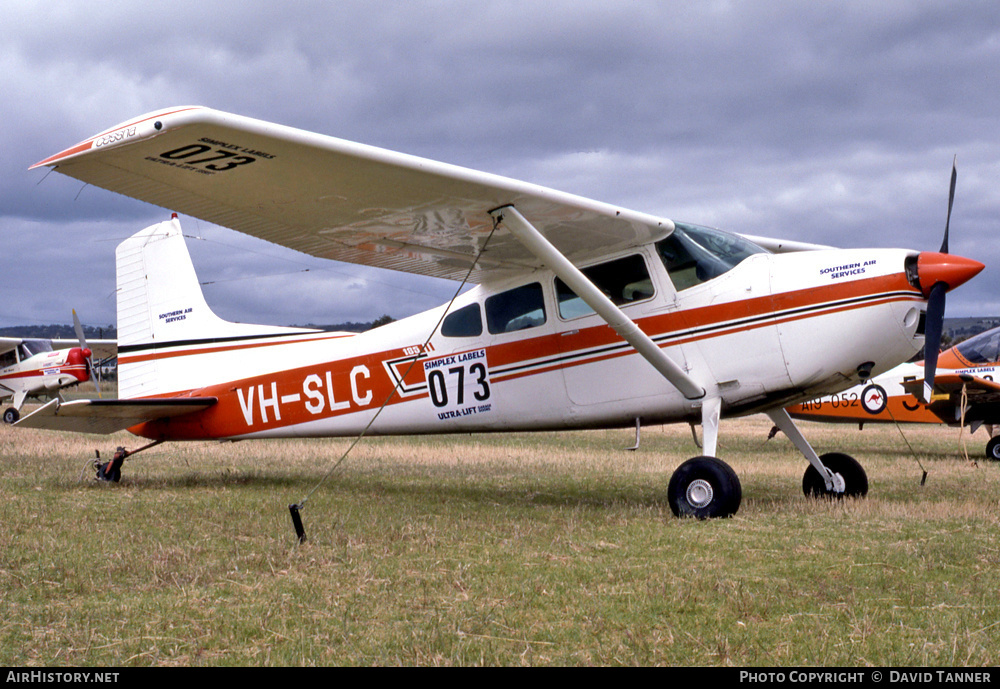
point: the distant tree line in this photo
(110, 332)
(351, 326)
(59, 332)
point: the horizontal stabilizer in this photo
(110, 416)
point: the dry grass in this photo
(515, 549)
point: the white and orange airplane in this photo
(585, 314)
(964, 393)
(37, 367)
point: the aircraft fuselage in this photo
(776, 328)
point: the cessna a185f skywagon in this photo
(585, 315)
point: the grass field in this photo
(523, 549)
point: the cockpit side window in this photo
(8, 358)
(623, 281)
(465, 322)
(516, 309)
(693, 254)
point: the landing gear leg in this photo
(832, 475)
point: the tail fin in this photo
(162, 311)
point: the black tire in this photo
(704, 488)
(855, 478)
(993, 449)
(109, 472)
(11, 415)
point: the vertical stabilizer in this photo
(161, 309)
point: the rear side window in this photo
(516, 309)
(466, 322)
(623, 281)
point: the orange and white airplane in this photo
(585, 314)
(964, 393)
(37, 367)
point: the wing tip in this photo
(101, 139)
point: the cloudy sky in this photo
(832, 122)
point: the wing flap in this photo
(340, 200)
(978, 389)
(109, 416)
(946, 401)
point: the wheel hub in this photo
(699, 493)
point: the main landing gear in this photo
(993, 449)
(706, 487)
(850, 471)
(10, 415)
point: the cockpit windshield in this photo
(33, 347)
(984, 348)
(693, 254)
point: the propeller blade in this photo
(94, 375)
(951, 201)
(79, 330)
(91, 371)
(933, 328)
(934, 324)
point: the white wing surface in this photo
(340, 200)
(102, 349)
(9, 343)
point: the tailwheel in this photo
(704, 488)
(10, 415)
(855, 478)
(111, 471)
(993, 449)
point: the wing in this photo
(340, 200)
(109, 416)
(102, 349)
(948, 389)
(9, 343)
(780, 246)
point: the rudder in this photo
(161, 305)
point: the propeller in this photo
(89, 355)
(939, 273)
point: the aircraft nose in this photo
(952, 270)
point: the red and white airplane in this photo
(36, 367)
(964, 393)
(585, 314)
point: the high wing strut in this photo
(533, 240)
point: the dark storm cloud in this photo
(827, 122)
